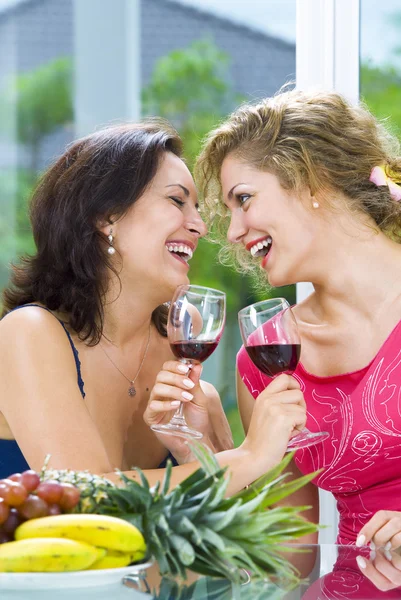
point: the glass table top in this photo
(327, 572)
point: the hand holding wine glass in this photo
(271, 338)
(195, 324)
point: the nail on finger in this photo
(388, 555)
(187, 395)
(188, 383)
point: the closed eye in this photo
(178, 201)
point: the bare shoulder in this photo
(33, 336)
(28, 315)
(30, 324)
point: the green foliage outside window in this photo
(191, 87)
(42, 102)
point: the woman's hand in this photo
(203, 410)
(383, 569)
(383, 529)
(279, 414)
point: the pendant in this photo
(131, 390)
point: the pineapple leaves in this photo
(269, 478)
(167, 478)
(218, 520)
(183, 548)
(211, 538)
(205, 456)
(196, 526)
(284, 490)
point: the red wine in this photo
(198, 351)
(273, 359)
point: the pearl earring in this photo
(111, 249)
(315, 205)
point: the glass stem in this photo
(179, 413)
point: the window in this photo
(68, 67)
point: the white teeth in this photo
(260, 245)
(182, 249)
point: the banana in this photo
(115, 560)
(47, 555)
(99, 530)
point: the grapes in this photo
(70, 497)
(16, 494)
(4, 511)
(50, 491)
(13, 493)
(12, 522)
(54, 509)
(4, 487)
(30, 480)
(23, 496)
(33, 508)
(4, 537)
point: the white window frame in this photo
(106, 34)
(327, 57)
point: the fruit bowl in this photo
(74, 579)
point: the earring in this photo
(111, 249)
(315, 205)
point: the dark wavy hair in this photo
(97, 179)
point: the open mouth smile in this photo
(260, 247)
(182, 251)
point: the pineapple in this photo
(94, 489)
(195, 526)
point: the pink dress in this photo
(362, 413)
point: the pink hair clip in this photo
(378, 176)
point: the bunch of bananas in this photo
(72, 542)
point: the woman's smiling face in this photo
(277, 227)
(159, 234)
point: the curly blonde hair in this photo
(307, 139)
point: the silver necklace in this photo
(131, 389)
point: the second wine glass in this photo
(194, 327)
(271, 338)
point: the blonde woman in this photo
(315, 182)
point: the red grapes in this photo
(50, 491)
(23, 496)
(4, 511)
(70, 497)
(30, 480)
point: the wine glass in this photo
(194, 327)
(271, 338)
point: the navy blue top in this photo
(11, 458)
